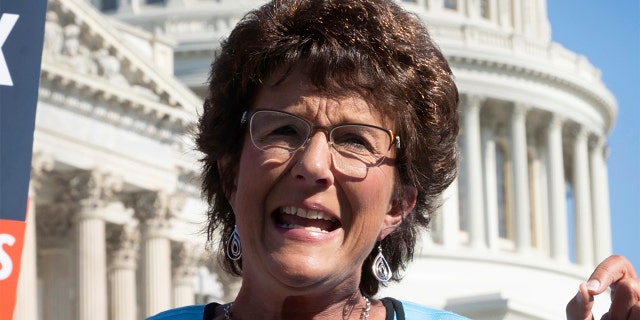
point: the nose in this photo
(313, 162)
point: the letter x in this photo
(7, 21)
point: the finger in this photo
(579, 308)
(635, 312)
(626, 298)
(608, 272)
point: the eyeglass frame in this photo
(247, 117)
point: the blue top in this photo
(412, 311)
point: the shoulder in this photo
(414, 311)
(194, 312)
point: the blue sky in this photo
(608, 34)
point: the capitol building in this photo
(115, 216)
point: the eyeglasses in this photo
(355, 147)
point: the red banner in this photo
(11, 243)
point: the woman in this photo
(328, 132)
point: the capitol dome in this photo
(524, 223)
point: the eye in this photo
(353, 143)
(287, 130)
(286, 136)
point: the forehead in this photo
(295, 93)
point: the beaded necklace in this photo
(364, 315)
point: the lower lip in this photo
(305, 235)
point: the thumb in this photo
(609, 272)
(579, 308)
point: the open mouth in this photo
(297, 218)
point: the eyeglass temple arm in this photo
(244, 119)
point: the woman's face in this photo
(347, 215)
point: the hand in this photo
(617, 273)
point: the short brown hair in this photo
(370, 47)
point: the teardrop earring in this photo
(234, 250)
(380, 268)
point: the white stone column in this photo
(92, 190)
(123, 5)
(472, 157)
(27, 293)
(490, 187)
(517, 15)
(493, 11)
(462, 5)
(134, 5)
(151, 209)
(185, 262)
(504, 14)
(57, 283)
(92, 262)
(538, 200)
(473, 9)
(544, 27)
(157, 266)
(123, 243)
(435, 5)
(557, 192)
(582, 199)
(600, 201)
(56, 260)
(520, 179)
(450, 216)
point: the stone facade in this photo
(115, 192)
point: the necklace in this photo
(364, 315)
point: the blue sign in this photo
(21, 40)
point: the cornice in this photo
(110, 103)
(541, 71)
(205, 22)
(470, 44)
(102, 34)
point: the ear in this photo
(221, 163)
(398, 210)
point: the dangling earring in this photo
(380, 268)
(234, 251)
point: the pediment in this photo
(86, 50)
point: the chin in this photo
(302, 274)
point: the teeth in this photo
(311, 214)
(295, 226)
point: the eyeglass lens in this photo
(355, 146)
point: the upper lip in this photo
(313, 210)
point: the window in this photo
(462, 190)
(570, 197)
(109, 5)
(485, 10)
(533, 197)
(503, 183)
(451, 4)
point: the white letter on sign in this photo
(6, 264)
(7, 21)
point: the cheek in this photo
(256, 177)
(379, 186)
(247, 177)
(372, 196)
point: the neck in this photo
(328, 306)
